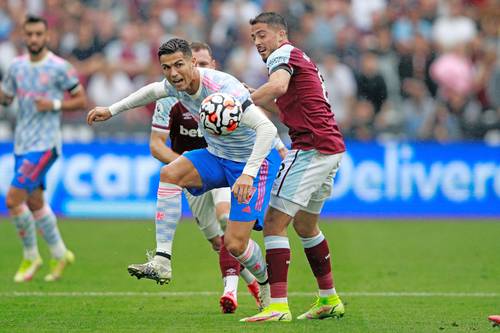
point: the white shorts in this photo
(304, 182)
(203, 209)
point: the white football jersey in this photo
(236, 146)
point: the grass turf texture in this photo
(369, 258)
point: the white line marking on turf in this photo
(213, 293)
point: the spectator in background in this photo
(347, 48)
(418, 110)
(408, 25)
(341, 87)
(415, 62)
(244, 63)
(454, 28)
(388, 61)
(130, 53)
(364, 12)
(106, 31)
(453, 72)
(8, 49)
(113, 81)
(371, 85)
(86, 56)
(362, 124)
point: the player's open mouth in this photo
(177, 82)
(261, 51)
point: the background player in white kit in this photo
(38, 80)
(211, 209)
(242, 160)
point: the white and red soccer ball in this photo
(220, 114)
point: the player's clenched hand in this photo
(243, 188)
(43, 104)
(99, 113)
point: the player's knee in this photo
(275, 223)
(12, 201)
(234, 245)
(34, 203)
(168, 175)
(13, 205)
(305, 230)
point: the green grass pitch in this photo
(396, 276)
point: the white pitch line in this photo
(213, 293)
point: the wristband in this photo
(56, 104)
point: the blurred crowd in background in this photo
(402, 69)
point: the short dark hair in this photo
(175, 45)
(196, 46)
(30, 19)
(270, 18)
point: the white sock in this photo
(47, 224)
(168, 214)
(327, 292)
(25, 226)
(279, 300)
(231, 284)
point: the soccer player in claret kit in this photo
(306, 175)
(211, 209)
(39, 79)
(242, 160)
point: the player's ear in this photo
(282, 34)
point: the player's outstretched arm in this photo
(272, 89)
(159, 149)
(141, 97)
(99, 113)
(265, 131)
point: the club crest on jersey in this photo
(44, 78)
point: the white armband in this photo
(56, 104)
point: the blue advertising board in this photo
(119, 180)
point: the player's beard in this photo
(35, 52)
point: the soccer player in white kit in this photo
(242, 160)
(211, 209)
(39, 80)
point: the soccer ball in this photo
(220, 114)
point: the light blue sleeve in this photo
(67, 77)
(161, 117)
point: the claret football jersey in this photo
(304, 108)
